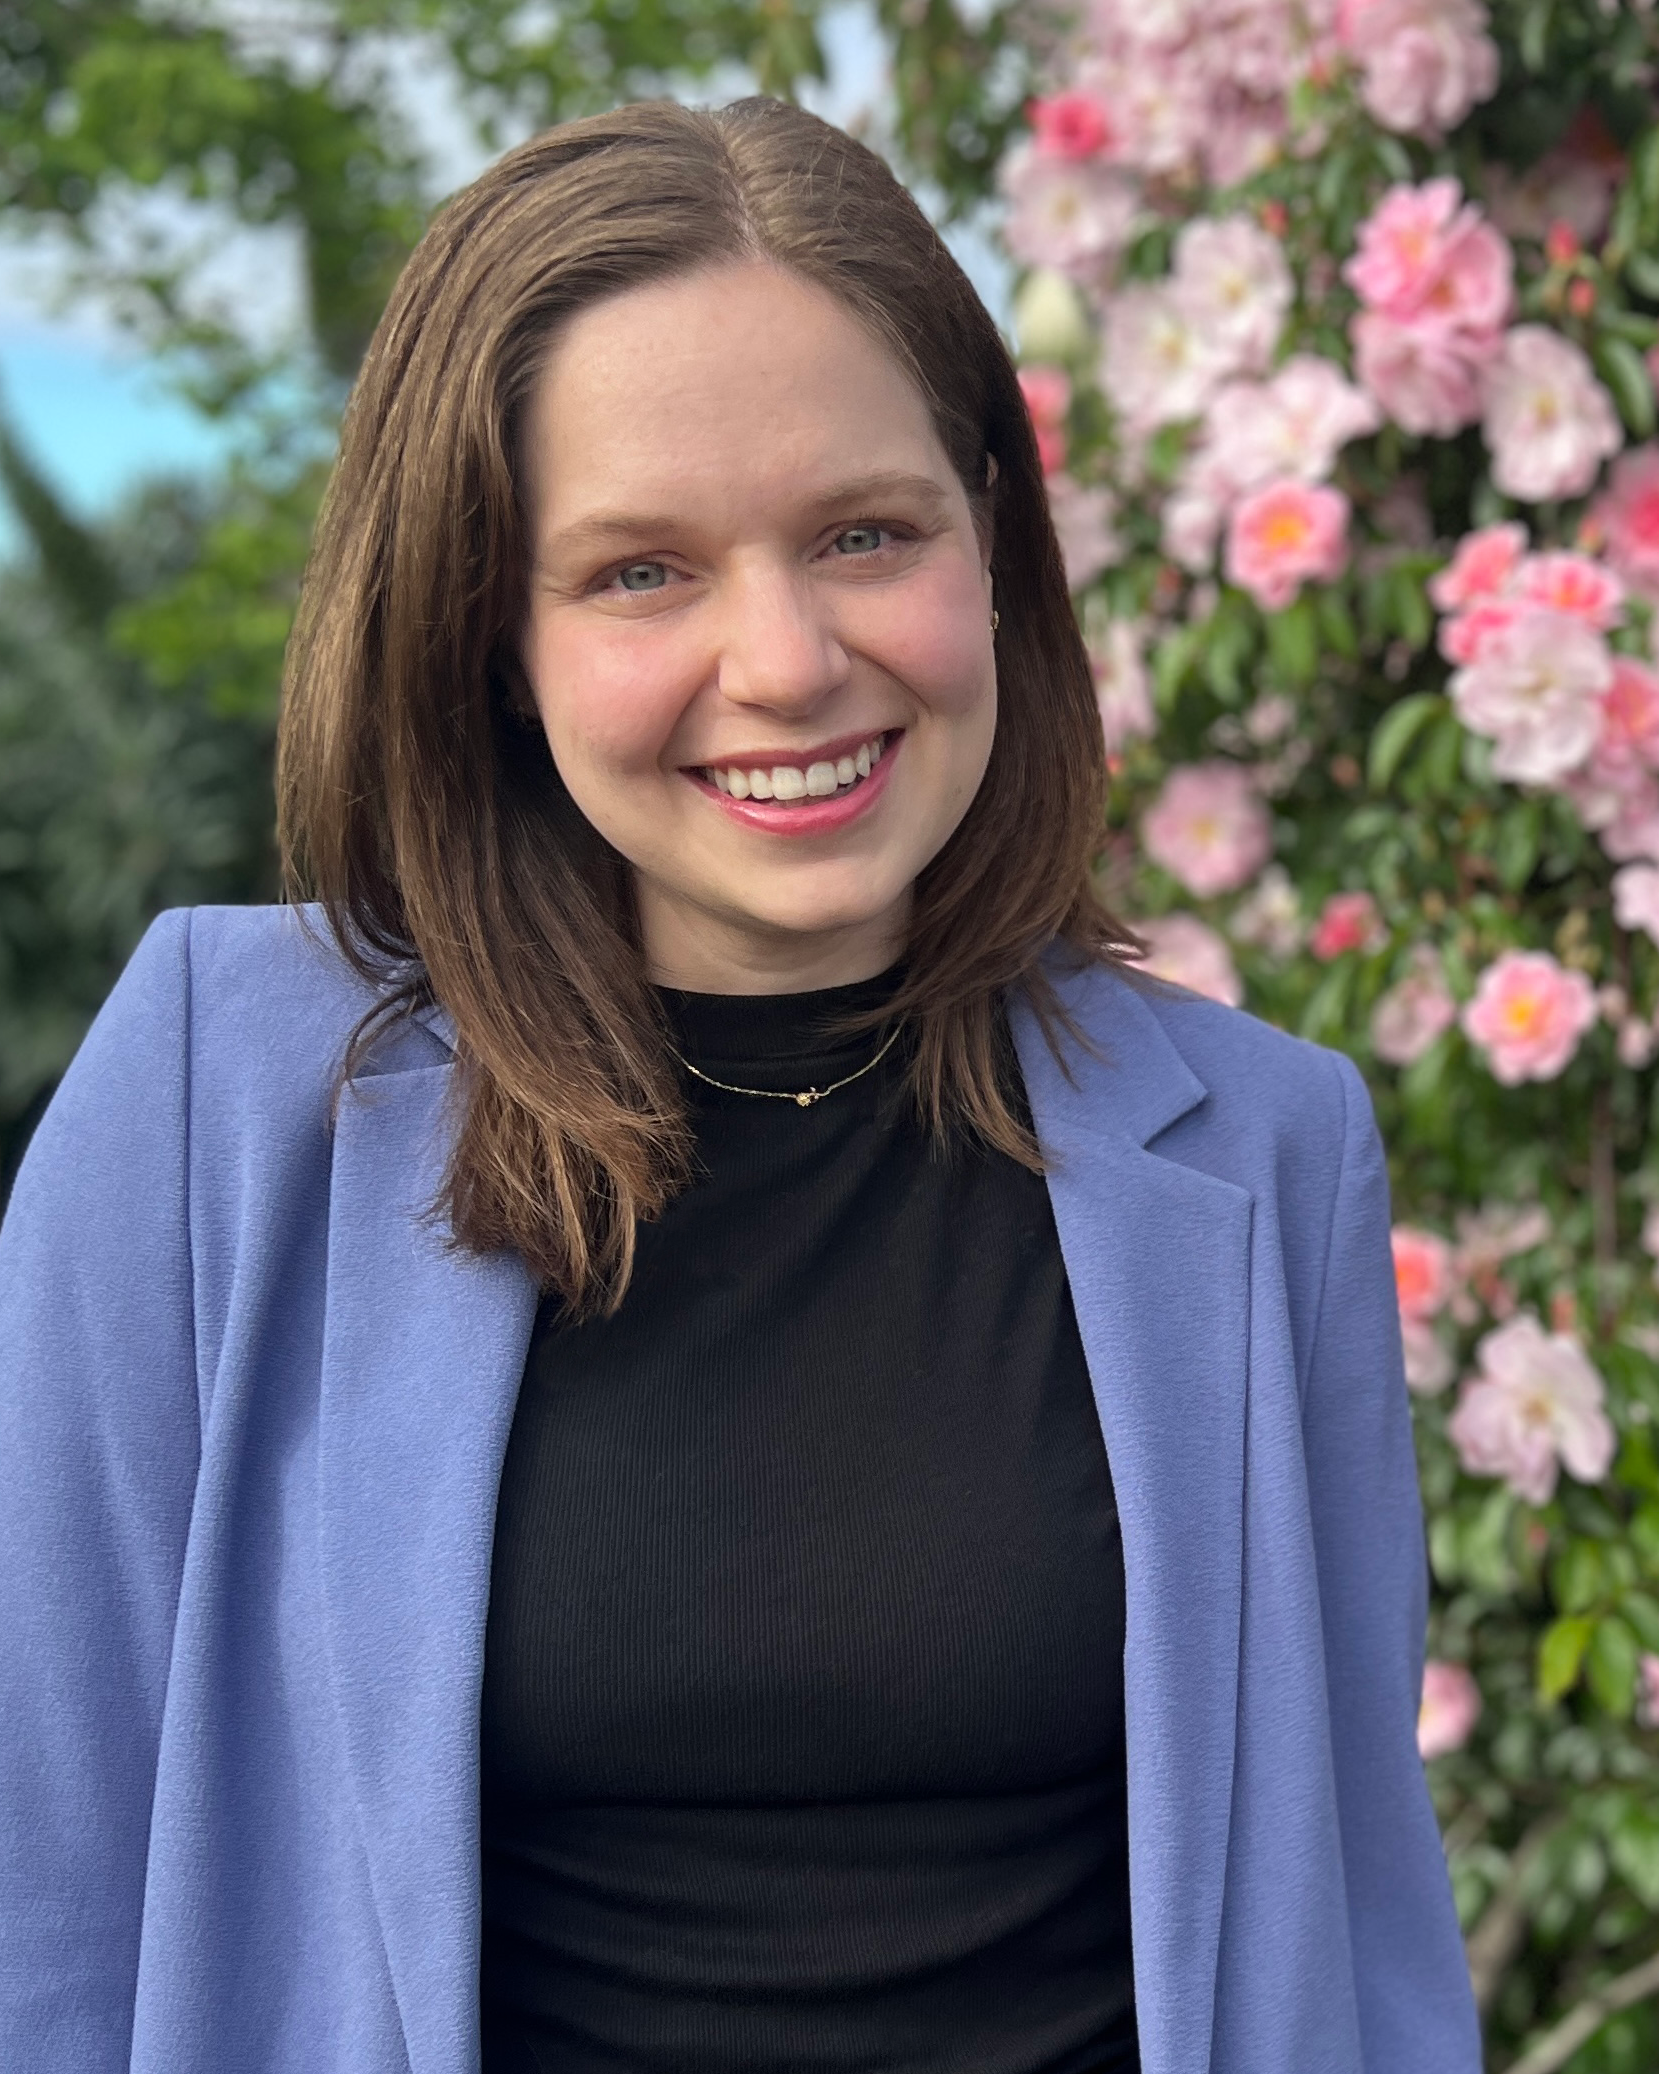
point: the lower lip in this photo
(811, 816)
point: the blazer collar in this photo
(1158, 1258)
(424, 1348)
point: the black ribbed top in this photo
(803, 1741)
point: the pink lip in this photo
(811, 816)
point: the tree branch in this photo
(1497, 1937)
(1558, 2045)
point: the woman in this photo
(580, 1491)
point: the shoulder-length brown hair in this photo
(420, 804)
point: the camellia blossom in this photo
(1284, 535)
(1528, 1015)
(1549, 424)
(1072, 214)
(1291, 426)
(1414, 1012)
(1422, 1271)
(1647, 1690)
(1423, 63)
(1347, 922)
(1269, 917)
(1534, 689)
(1626, 519)
(1071, 125)
(1629, 734)
(1467, 635)
(1208, 829)
(1191, 954)
(1636, 898)
(1429, 1365)
(1534, 1405)
(1235, 283)
(1047, 393)
(1573, 584)
(1482, 567)
(1123, 690)
(1427, 381)
(1449, 1710)
(1085, 523)
(1157, 364)
(1425, 257)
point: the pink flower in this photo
(1269, 917)
(1528, 1015)
(1469, 634)
(1208, 829)
(1425, 379)
(1627, 518)
(1293, 425)
(1482, 566)
(1072, 214)
(1535, 689)
(1414, 1012)
(1189, 953)
(1122, 688)
(1636, 898)
(1235, 285)
(1629, 736)
(1449, 1710)
(1283, 535)
(1157, 364)
(1422, 1272)
(1647, 1690)
(1071, 125)
(1085, 525)
(1573, 584)
(1534, 1405)
(1428, 1363)
(1428, 259)
(1047, 393)
(1423, 63)
(1548, 422)
(1348, 922)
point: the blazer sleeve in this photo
(1416, 2007)
(99, 1434)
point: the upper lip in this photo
(768, 759)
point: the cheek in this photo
(935, 640)
(609, 699)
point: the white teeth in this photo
(789, 781)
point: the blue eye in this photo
(642, 576)
(866, 540)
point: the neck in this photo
(702, 955)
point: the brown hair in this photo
(427, 816)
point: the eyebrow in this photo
(603, 527)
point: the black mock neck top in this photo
(803, 1744)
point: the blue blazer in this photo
(252, 1416)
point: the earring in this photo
(996, 619)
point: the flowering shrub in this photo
(1339, 322)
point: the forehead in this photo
(744, 377)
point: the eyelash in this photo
(897, 534)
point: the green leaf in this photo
(1624, 371)
(1578, 1577)
(1644, 1536)
(1394, 734)
(1336, 624)
(1515, 851)
(1293, 643)
(1641, 270)
(1561, 1656)
(1610, 1666)
(1634, 1850)
(1644, 170)
(1641, 1609)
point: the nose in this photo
(779, 648)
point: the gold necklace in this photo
(807, 1096)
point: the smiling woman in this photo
(684, 1429)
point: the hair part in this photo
(418, 801)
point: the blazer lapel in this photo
(422, 1355)
(1158, 1258)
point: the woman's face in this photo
(759, 630)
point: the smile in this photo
(788, 783)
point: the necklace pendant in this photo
(806, 1101)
